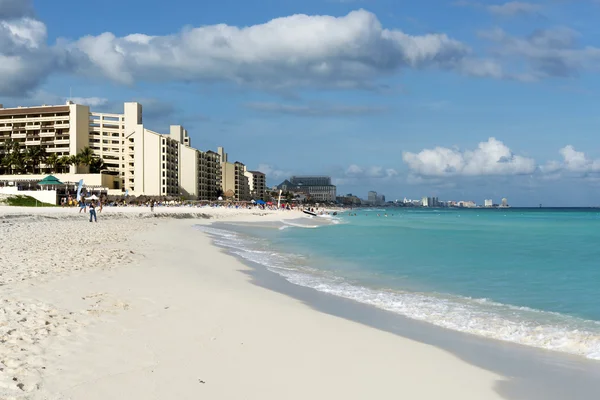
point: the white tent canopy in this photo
(92, 197)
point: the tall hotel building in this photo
(139, 161)
(60, 130)
(234, 181)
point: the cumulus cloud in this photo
(298, 50)
(572, 161)
(490, 158)
(25, 59)
(315, 110)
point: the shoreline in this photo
(183, 310)
(529, 372)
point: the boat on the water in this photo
(309, 213)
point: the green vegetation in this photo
(25, 201)
(15, 159)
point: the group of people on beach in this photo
(91, 207)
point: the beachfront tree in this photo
(86, 156)
(14, 157)
(64, 162)
(4, 154)
(97, 165)
(53, 163)
(33, 157)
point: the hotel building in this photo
(60, 130)
(257, 184)
(234, 181)
(138, 160)
(319, 188)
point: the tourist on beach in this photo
(82, 206)
(93, 211)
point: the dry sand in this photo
(148, 308)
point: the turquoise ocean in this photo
(528, 276)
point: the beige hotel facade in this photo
(139, 161)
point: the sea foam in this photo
(522, 325)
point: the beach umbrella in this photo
(92, 197)
(260, 202)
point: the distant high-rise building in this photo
(504, 202)
(425, 202)
(319, 188)
(372, 198)
(488, 203)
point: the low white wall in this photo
(45, 196)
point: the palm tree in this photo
(97, 165)
(86, 156)
(15, 160)
(53, 161)
(4, 157)
(64, 162)
(34, 156)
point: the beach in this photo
(144, 305)
(142, 308)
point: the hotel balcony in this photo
(33, 143)
(18, 135)
(57, 150)
(61, 141)
(32, 127)
(5, 128)
(47, 134)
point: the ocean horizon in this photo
(522, 275)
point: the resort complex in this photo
(117, 154)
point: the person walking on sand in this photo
(93, 211)
(82, 206)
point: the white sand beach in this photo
(136, 307)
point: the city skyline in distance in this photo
(496, 101)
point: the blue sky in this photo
(456, 99)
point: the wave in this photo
(295, 225)
(482, 317)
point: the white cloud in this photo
(490, 158)
(572, 161)
(298, 50)
(25, 59)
